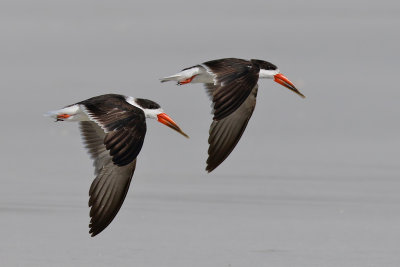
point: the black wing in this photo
(109, 188)
(113, 138)
(226, 133)
(124, 125)
(234, 81)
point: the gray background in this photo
(313, 182)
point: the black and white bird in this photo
(113, 128)
(232, 85)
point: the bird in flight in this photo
(232, 85)
(113, 128)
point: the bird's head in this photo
(152, 110)
(270, 71)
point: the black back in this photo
(125, 125)
(236, 78)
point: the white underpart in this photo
(268, 74)
(202, 76)
(76, 112)
(210, 74)
(149, 113)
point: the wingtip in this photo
(92, 232)
(209, 168)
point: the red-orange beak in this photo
(166, 120)
(281, 79)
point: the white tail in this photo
(52, 114)
(175, 77)
(183, 75)
(75, 114)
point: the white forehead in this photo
(149, 113)
(268, 73)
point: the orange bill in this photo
(281, 79)
(166, 120)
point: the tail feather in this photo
(70, 113)
(52, 114)
(183, 75)
(170, 78)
